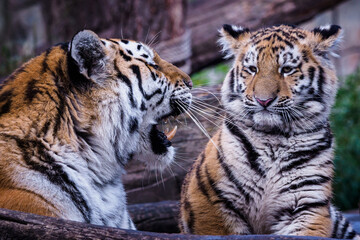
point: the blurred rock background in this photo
(184, 32)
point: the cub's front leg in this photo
(312, 219)
(205, 208)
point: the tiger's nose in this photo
(265, 102)
(188, 83)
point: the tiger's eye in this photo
(286, 69)
(253, 69)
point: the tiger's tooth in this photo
(170, 135)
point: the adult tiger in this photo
(269, 168)
(72, 117)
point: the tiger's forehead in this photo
(283, 33)
(135, 49)
(276, 44)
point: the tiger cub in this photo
(71, 118)
(268, 170)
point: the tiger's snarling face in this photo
(282, 79)
(139, 89)
(103, 96)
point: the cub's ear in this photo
(89, 54)
(327, 39)
(232, 38)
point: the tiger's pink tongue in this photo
(170, 135)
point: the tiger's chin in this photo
(266, 121)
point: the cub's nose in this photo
(265, 102)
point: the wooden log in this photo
(19, 225)
(206, 17)
(159, 217)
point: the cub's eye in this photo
(253, 69)
(286, 69)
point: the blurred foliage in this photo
(211, 75)
(345, 122)
(10, 62)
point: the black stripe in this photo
(129, 222)
(321, 81)
(129, 52)
(232, 96)
(288, 43)
(45, 128)
(199, 179)
(160, 101)
(232, 80)
(350, 235)
(6, 107)
(113, 41)
(293, 211)
(84, 135)
(303, 157)
(31, 91)
(336, 224)
(125, 41)
(143, 107)
(318, 181)
(251, 154)
(231, 178)
(190, 221)
(124, 56)
(311, 72)
(308, 206)
(61, 93)
(59, 70)
(121, 159)
(126, 80)
(133, 125)
(153, 75)
(136, 71)
(227, 203)
(45, 66)
(305, 56)
(53, 171)
(5, 96)
(344, 228)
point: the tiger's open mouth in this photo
(161, 140)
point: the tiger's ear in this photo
(88, 52)
(232, 38)
(326, 39)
